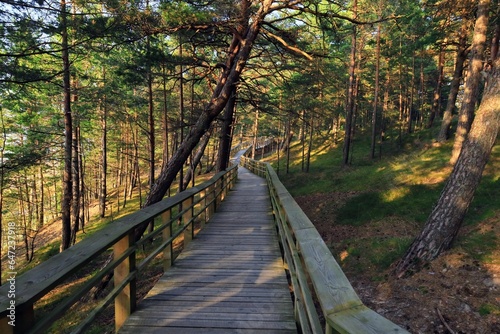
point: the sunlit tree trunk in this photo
(104, 158)
(350, 94)
(151, 122)
(375, 97)
(76, 184)
(473, 79)
(255, 133)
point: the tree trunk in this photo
(76, 185)
(375, 97)
(197, 158)
(471, 90)
(68, 133)
(310, 144)
(350, 94)
(104, 159)
(151, 121)
(447, 216)
(181, 113)
(444, 132)
(255, 133)
(437, 90)
(225, 135)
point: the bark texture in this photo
(68, 133)
(471, 91)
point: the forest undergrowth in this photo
(369, 213)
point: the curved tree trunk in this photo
(446, 218)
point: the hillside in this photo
(369, 213)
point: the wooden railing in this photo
(196, 204)
(315, 275)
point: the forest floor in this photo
(455, 294)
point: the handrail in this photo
(310, 261)
(197, 204)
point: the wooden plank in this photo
(362, 320)
(200, 314)
(226, 291)
(203, 330)
(231, 307)
(329, 280)
(211, 323)
(223, 275)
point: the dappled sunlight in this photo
(396, 193)
(343, 255)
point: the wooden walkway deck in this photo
(229, 279)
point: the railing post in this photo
(167, 234)
(218, 193)
(223, 187)
(209, 204)
(203, 207)
(186, 217)
(125, 302)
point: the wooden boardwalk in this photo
(229, 279)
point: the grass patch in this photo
(409, 201)
(374, 255)
(480, 245)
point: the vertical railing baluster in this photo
(186, 217)
(125, 302)
(167, 234)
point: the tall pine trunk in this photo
(472, 82)
(375, 97)
(444, 132)
(350, 94)
(68, 135)
(104, 158)
(437, 90)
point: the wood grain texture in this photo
(229, 279)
